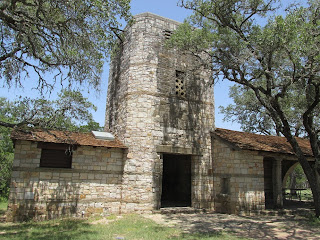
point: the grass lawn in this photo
(124, 227)
(3, 207)
(127, 227)
(305, 195)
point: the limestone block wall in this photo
(145, 112)
(91, 186)
(238, 179)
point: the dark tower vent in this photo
(167, 33)
(180, 84)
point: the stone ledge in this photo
(179, 210)
(176, 150)
(238, 175)
(155, 16)
(65, 170)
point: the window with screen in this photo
(56, 158)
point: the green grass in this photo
(3, 207)
(314, 221)
(127, 227)
(306, 195)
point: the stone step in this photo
(178, 210)
(268, 212)
(281, 212)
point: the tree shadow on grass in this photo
(256, 227)
(199, 235)
(2, 213)
(49, 230)
(3, 210)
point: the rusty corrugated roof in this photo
(256, 142)
(66, 137)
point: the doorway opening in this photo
(176, 181)
(268, 183)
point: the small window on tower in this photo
(180, 84)
(167, 34)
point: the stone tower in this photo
(160, 104)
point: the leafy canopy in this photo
(71, 111)
(6, 159)
(69, 39)
(254, 117)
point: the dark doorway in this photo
(176, 181)
(268, 183)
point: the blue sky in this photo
(165, 8)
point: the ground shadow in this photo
(65, 229)
(256, 227)
(2, 213)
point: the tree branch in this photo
(10, 54)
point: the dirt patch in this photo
(106, 220)
(258, 227)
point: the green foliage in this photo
(68, 38)
(6, 159)
(71, 111)
(248, 112)
(314, 221)
(193, 39)
(300, 177)
(3, 206)
(254, 117)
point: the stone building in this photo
(64, 174)
(167, 151)
(160, 104)
(250, 170)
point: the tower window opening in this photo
(180, 88)
(167, 34)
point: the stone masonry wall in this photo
(145, 112)
(238, 179)
(91, 186)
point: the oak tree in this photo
(59, 40)
(70, 111)
(275, 59)
(254, 117)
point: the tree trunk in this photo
(314, 181)
(316, 198)
(293, 182)
(315, 188)
(311, 173)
